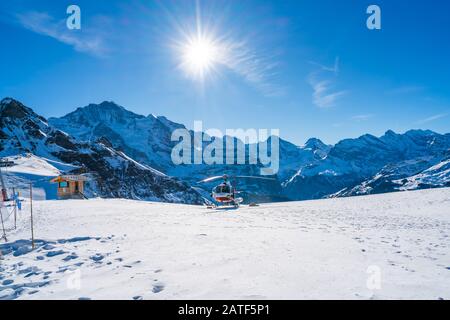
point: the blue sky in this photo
(309, 68)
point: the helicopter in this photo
(225, 193)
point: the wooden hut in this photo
(70, 186)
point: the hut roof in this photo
(71, 177)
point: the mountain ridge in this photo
(313, 170)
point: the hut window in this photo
(63, 184)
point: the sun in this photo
(200, 55)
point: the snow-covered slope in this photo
(39, 166)
(114, 173)
(435, 176)
(390, 246)
(30, 168)
(419, 173)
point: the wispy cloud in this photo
(323, 96)
(323, 83)
(257, 69)
(334, 69)
(362, 117)
(44, 24)
(432, 118)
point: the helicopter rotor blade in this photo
(211, 179)
(256, 177)
(226, 177)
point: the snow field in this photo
(390, 246)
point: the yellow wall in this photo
(70, 190)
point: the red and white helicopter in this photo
(225, 193)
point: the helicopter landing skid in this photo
(230, 205)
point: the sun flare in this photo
(200, 56)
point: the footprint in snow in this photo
(70, 257)
(48, 247)
(51, 254)
(62, 269)
(8, 294)
(97, 257)
(157, 288)
(30, 271)
(31, 274)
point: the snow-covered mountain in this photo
(145, 139)
(408, 175)
(372, 165)
(148, 140)
(368, 164)
(114, 173)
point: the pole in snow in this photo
(15, 208)
(4, 193)
(31, 214)
(3, 224)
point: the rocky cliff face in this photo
(115, 174)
